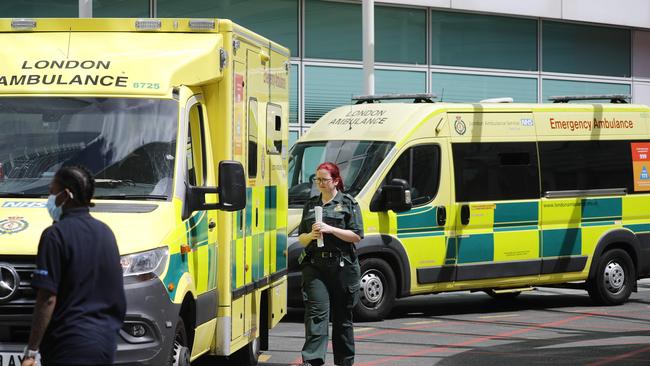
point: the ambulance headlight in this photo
(149, 263)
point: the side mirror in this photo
(394, 196)
(231, 191)
(232, 186)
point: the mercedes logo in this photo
(9, 281)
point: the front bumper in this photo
(149, 306)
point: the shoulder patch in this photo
(350, 198)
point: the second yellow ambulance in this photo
(494, 197)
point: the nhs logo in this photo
(19, 204)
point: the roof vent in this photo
(23, 24)
(148, 24)
(377, 98)
(498, 100)
(613, 98)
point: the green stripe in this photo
(416, 219)
(516, 228)
(280, 247)
(258, 256)
(248, 226)
(561, 242)
(271, 199)
(602, 207)
(517, 212)
(638, 228)
(476, 248)
(177, 267)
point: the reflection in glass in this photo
(128, 144)
(357, 161)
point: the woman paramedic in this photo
(330, 273)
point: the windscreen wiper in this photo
(22, 195)
(131, 196)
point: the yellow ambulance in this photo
(494, 197)
(183, 122)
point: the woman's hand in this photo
(316, 230)
(327, 229)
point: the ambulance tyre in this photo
(248, 355)
(377, 290)
(180, 355)
(614, 278)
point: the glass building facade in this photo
(459, 56)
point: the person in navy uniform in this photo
(80, 301)
(331, 273)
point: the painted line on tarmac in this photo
(264, 358)
(357, 330)
(623, 356)
(423, 322)
(475, 341)
(498, 316)
(413, 329)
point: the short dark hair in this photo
(78, 180)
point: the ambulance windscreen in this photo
(128, 144)
(357, 161)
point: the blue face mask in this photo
(54, 210)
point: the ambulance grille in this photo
(22, 302)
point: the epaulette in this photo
(350, 198)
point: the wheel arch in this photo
(188, 314)
(619, 238)
(391, 250)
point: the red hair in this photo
(334, 173)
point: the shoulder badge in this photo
(350, 198)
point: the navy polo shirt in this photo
(78, 260)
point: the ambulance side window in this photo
(585, 165)
(420, 167)
(195, 150)
(273, 129)
(252, 138)
(495, 171)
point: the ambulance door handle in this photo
(441, 215)
(212, 225)
(464, 214)
(256, 216)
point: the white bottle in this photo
(318, 211)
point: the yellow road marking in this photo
(357, 330)
(264, 358)
(498, 316)
(423, 322)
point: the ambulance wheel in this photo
(503, 296)
(248, 355)
(180, 355)
(614, 278)
(377, 290)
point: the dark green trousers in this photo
(330, 291)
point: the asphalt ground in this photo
(549, 326)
